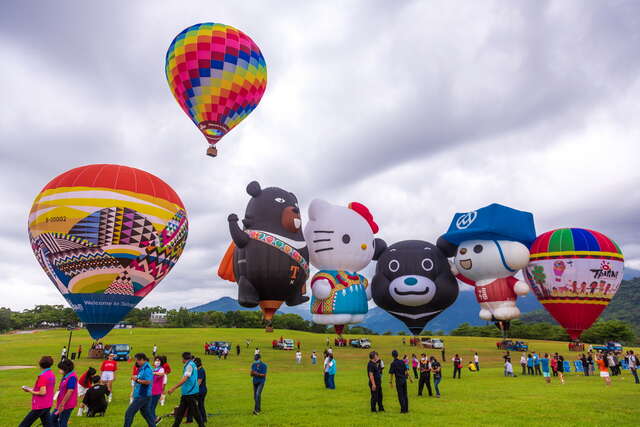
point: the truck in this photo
(610, 346)
(427, 342)
(217, 347)
(120, 351)
(511, 345)
(360, 343)
(284, 344)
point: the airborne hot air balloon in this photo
(106, 235)
(574, 273)
(218, 76)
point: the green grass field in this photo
(295, 395)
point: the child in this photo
(508, 368)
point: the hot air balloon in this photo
(268, 256)
(106, 235)
(218, 76)
(574, 273)
(413, 282)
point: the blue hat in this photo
(493, 222)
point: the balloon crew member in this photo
(259, 376)
(67, 394)
(436, 370)
(375, 383)
(400, 371)
(141, 393)
(202, 391)
(425, 375)
(95, 399)
(41, 394)
(190, 390)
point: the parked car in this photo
(217, 347)
(427, 342)
(286, 344)
(361, 343)
(512, 345)
(610, 346)
(120, 351)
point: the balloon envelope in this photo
(106, 235)
(574, 273)
(218, 76)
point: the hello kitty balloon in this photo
(341, 243)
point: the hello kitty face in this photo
(490, 259)
(338, 238)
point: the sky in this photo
(418, 109)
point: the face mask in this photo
(157, 363)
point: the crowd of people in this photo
(91, 392)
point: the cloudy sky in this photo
(417, 109)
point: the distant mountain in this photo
(630, 273)
(465, 309)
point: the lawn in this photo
(295, 395)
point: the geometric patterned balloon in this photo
(218, 76)
(106, 235)
(574, 273)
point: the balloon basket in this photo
(212, 151)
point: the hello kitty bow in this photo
(281, 245)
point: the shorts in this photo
(604, 374)
(546, 374)
(81, 390)
(106, 375)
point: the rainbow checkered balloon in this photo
(218, 76)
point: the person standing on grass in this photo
(375, 383)
(157, 386)
(67, 395)
(79, 351)
(314, 358)
(202, 393)
(41, 394)
(298, 357)
(259, 375)
(457, 365)
(561, 369)
(189, 387)
(141, 402)
(536, 363)
(545, 363)
(476, 361)
(331, 373)
(167, 371)
(508, 368)
(108, 373)
(63, 353)
(554, 364)
(425, 375)
(523, 363)
(414, 365)
(633, 365)
(530, 365)
(604, 371)
(400, 371)
(238, 350)
(585, 365)
(436, 370)
(155, 350)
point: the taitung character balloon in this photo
(218, 75)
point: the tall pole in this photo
(69, 343)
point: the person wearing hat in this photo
(489, 246)
(400, 371)
(259, 375)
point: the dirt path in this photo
(7, 368)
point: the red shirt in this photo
(84, 381)
(167, 368)
(109, 365)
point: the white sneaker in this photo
(80, 412)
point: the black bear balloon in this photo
(413, 282)
(270, 257)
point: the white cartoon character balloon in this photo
(489, 247)
(341, 243)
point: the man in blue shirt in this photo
(141, 392)
(259, 374)
(190, 390)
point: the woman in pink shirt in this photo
(67, 395)
(158, 384)
(42, 394)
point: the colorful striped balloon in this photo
(575, 273)
(218, 76)
(106, 235)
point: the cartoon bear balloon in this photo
(489, 246)
(268, 257)
(341, 243)
(413, 282)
